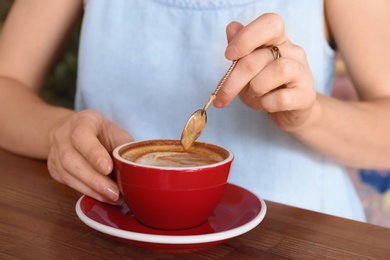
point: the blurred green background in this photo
(59, 87)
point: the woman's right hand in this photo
(79, 154)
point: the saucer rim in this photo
(174, 239)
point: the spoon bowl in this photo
(193, 128)
(197, 121)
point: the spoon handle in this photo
(224, 78)
(211, 99)
(221, 82)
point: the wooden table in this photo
(38, 221)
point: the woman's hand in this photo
(79, 155)
(283, 87)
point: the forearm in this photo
(26, 121)
(353, 133)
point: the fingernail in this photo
(119, 201)
(231, 52)
(251, 93)
(112, 193)
(105, 166)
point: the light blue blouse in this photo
(147, 65)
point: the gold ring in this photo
(275, 52)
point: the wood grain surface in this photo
(38, 221)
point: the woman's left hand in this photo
(283, 87)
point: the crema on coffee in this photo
(171, 154)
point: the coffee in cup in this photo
(168, 154)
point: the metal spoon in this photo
(197, 121)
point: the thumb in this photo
(232, 29)
(114, 136)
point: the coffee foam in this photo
(170, 153)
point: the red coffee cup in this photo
(171, 197)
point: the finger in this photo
(266, 30)
(290, 69)
(290, 90)
(246, 69)
(94, 137)
(232, 29)
(75, 184)
(59, 174)
(73, 170)
(284, 99)
(112, 136)
(281, 72)
(83, 133)
(288, 99)
(251, 100)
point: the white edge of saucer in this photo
(166, 239)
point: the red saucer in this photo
(238, 212)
